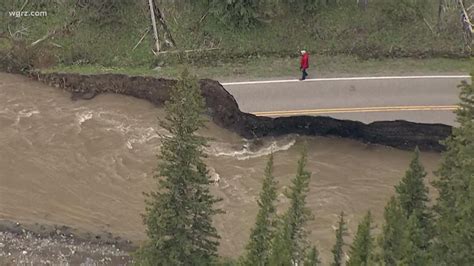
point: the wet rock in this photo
(214, 176)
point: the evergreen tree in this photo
(393, 231)
(240, 13)
(312, 259)
(413, 240)
(305, 6)
(337, 251)
(411, 202)
(289, 245)
(179, 213)
(413, 198)
(360, 253)
(454, 244)
(281, 246)
(259, 246)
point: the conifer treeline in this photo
(179, 213)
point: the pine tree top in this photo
(412, 192)
(179, 214)
(337, 250)
(360, 252)
(259, 246)
(454, 207)
(393, 230)
(290, 243)
(312, 259)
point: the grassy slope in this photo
(265, 68)
(103, 42)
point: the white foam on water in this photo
(246, 153)
(214, 176)
(143, 138)
(28, 113)
(84, 116)
(129, 145)
(122, 127)
(25, 113)
(145, 135)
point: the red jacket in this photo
(304, 64)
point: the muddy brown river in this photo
(85, 164)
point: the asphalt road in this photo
(427, 99)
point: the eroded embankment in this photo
(224, 111)
(86, 164)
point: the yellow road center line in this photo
(358, 110)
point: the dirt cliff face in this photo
(224, 111)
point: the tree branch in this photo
(187, 51)
(167, 36)
(141, 39)
(55, 31)
(466, 16)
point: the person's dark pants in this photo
(305, 74)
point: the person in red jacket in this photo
(304, 63)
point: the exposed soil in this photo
(85, 164)
(225, 112)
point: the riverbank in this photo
(224, 111)
(25, 244)
(86, 164)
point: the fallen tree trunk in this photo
(167, 36)
(466, 20)
(467, 25)
(153, 23)
(188, 51)
(157, 15)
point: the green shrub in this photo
(403, 11)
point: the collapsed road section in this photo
(224, 111)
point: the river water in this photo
(85, 164)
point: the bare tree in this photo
(167, 36)
(157, 16)
(466, 23)
(153, 23)
(441, 10)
